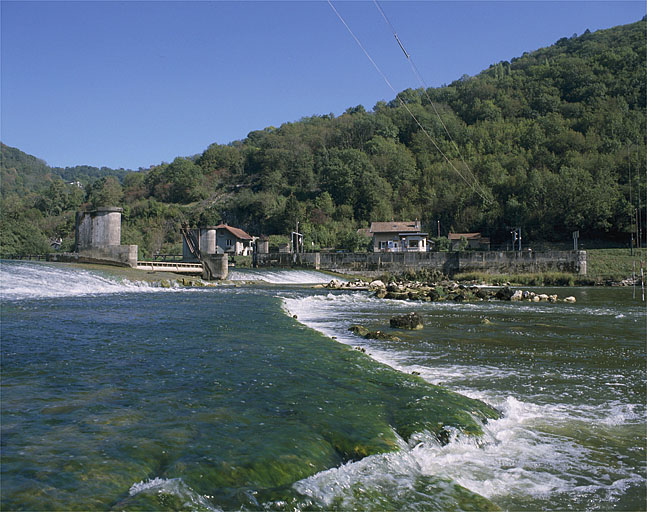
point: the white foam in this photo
(511, 456)
(34, 281)
(531, 452)
(281, 276)
(176, 487)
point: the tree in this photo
(105, 192)
(178, 182)
(292, 213)
(218, 157)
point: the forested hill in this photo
(556, 140)
(22, 173)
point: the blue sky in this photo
(132, 84)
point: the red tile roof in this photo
(238, 233)
(468, 236)
(395, 227)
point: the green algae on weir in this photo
(250, 402)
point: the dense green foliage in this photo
(556, 140)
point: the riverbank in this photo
(608, 267)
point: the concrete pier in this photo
(98, 240)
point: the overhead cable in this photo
(474, 182)
(424, 89)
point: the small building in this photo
(204, 239)
(474, 241)
(232, 240)
(220, 239)
(398, 237)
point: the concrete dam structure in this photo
(450, 263)
(98, 240)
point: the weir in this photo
(98, 240)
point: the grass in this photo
(241, 261)
(603, 265)
(614, 264)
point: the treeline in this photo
(552, 142)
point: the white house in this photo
(398, 237)
(232, 240)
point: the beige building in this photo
(398, 237)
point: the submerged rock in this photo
(411, 321)
(379, 335)
(381, 293)
(359, 330)
(481, 294)
(396, 295)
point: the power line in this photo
(424, 89)
(482, 193)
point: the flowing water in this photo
(127, 396)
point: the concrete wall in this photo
(216, 266)
(263, 246)
(450, 263)
(208, 240)
(119, 255)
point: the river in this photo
(122, 396)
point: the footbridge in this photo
(177, 267)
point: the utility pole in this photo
(639, 225)
(631, 202)
(516, 237)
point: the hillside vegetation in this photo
(555, 139)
